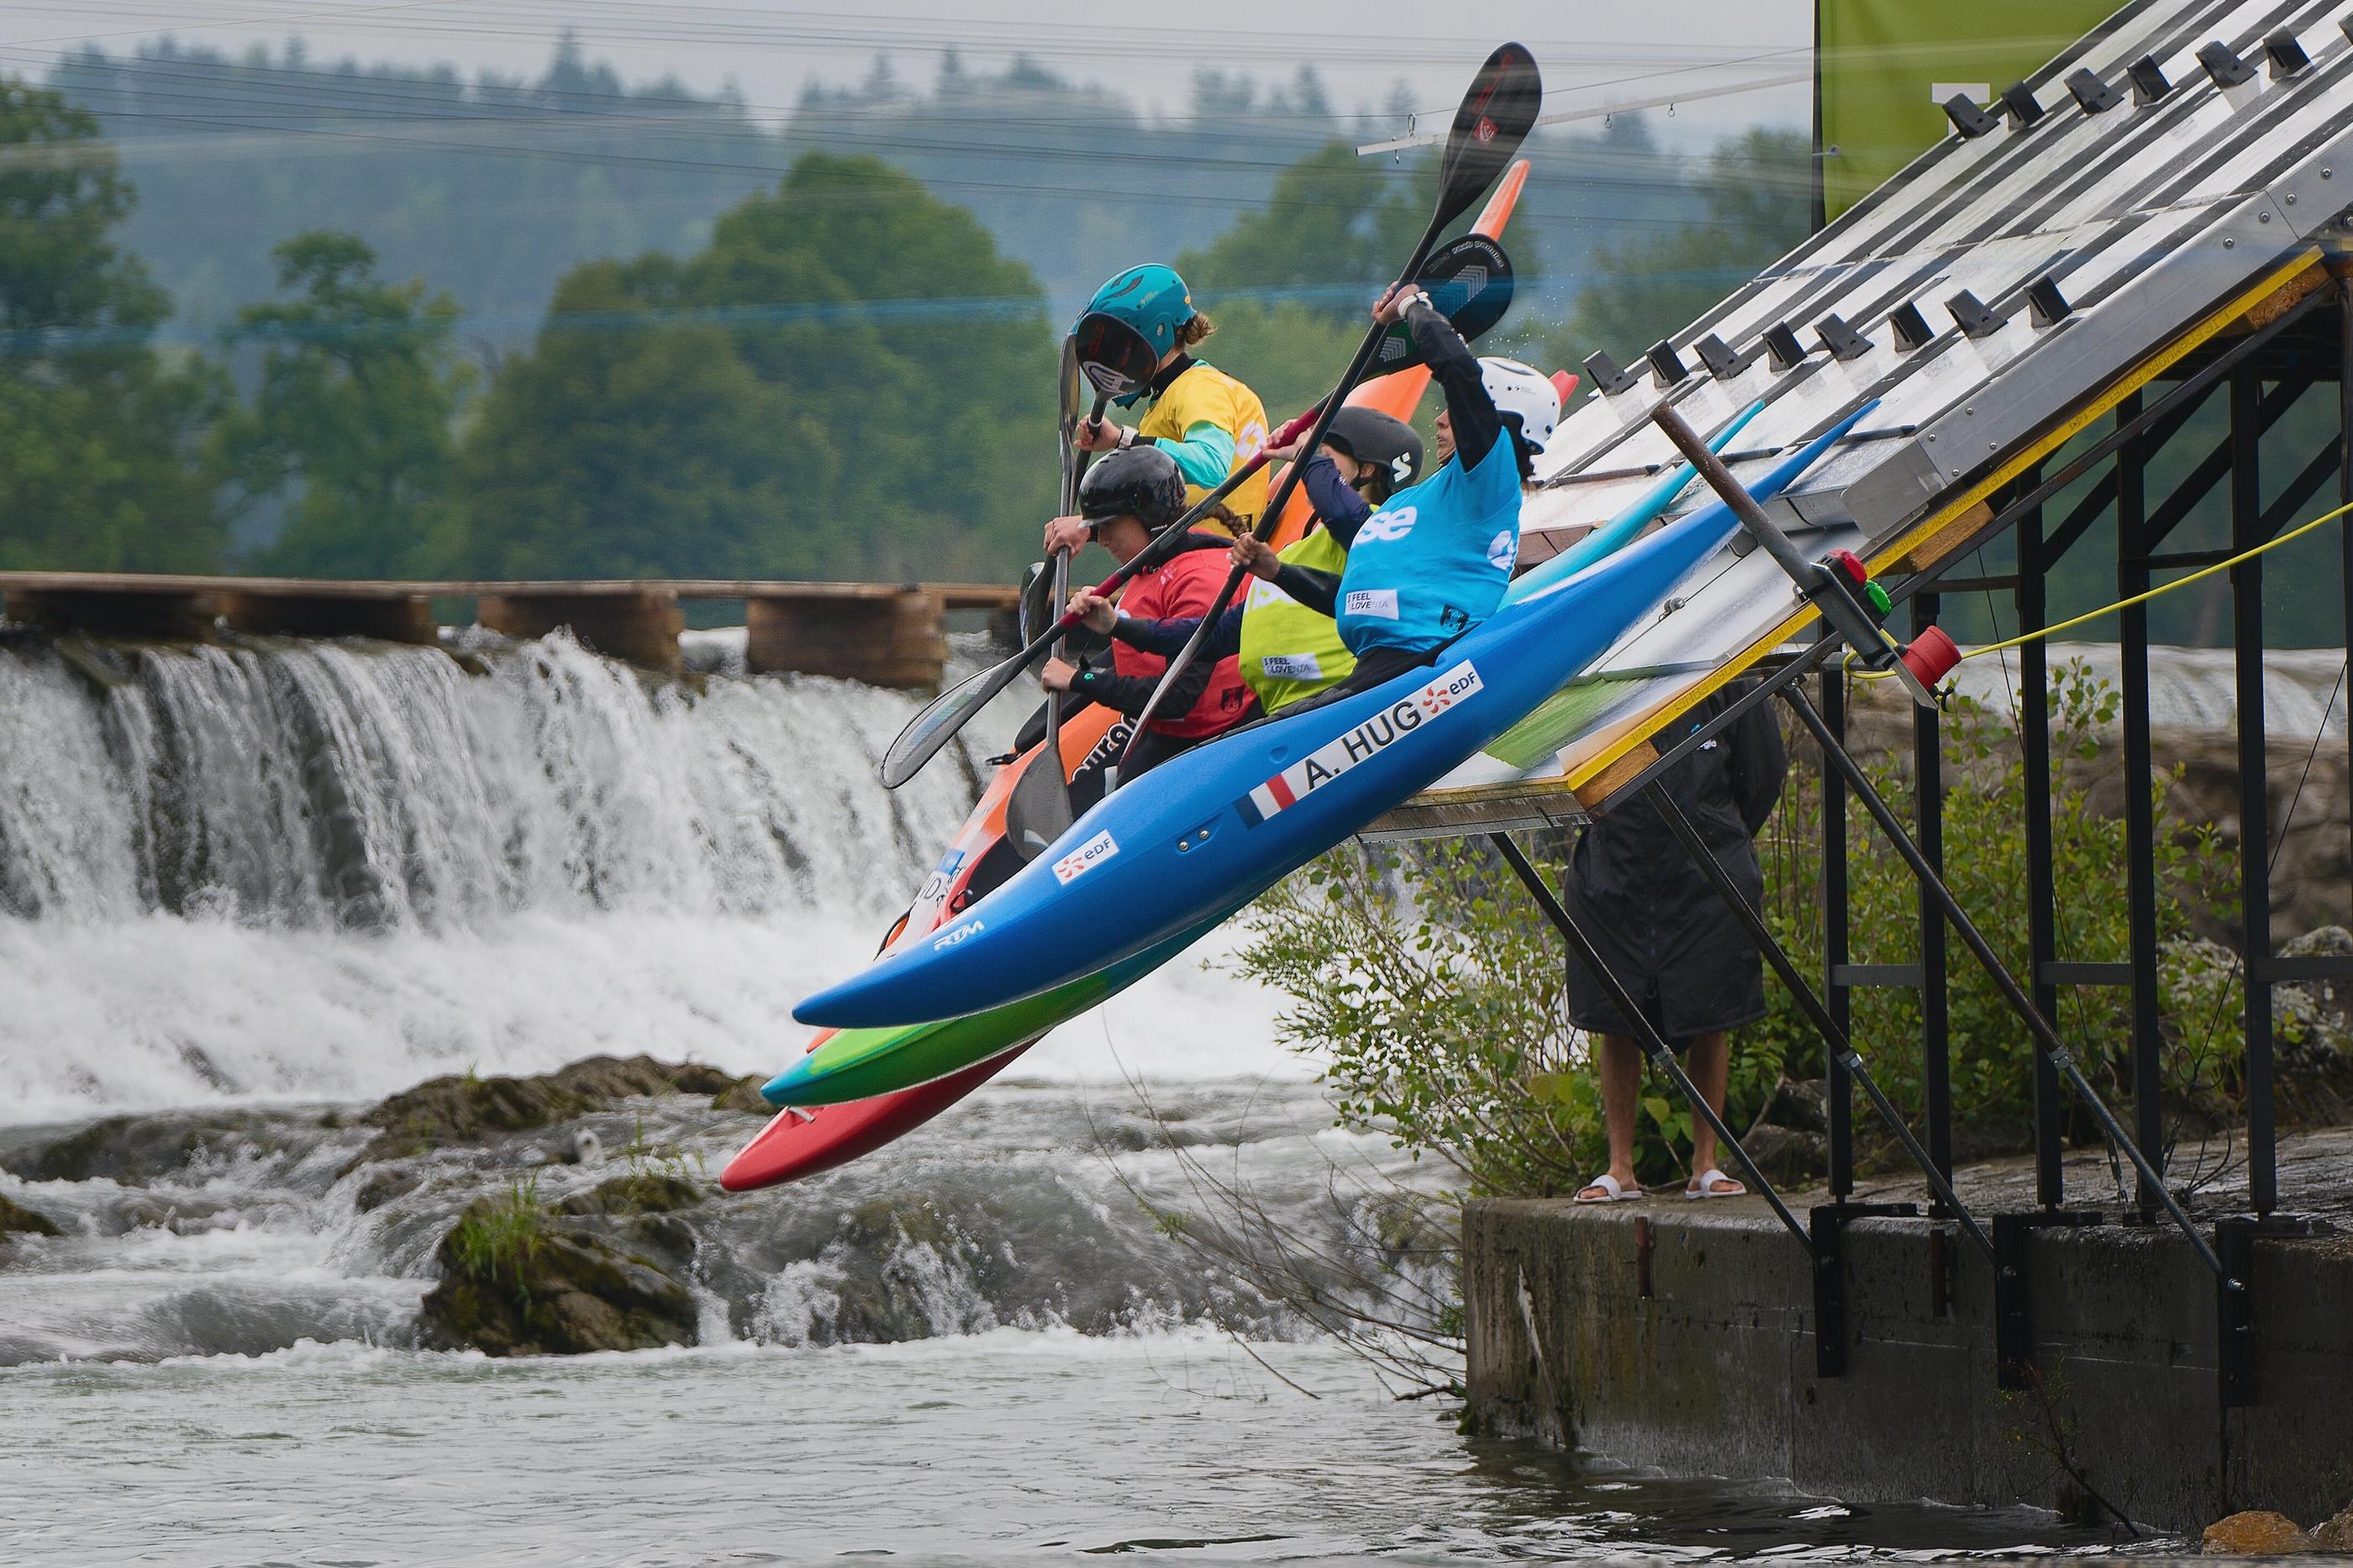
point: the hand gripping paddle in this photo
(1114, 358)
(1493, 120)
(1470, 279)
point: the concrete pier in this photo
(1682, 1335)
(885, 634)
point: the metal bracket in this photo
(2234, 1300)
(2013, 1315)
(1824, 1224)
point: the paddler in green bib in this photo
(1288, 649)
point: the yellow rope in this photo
(2162, 588)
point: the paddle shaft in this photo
(1077, 471)
(1291, 478)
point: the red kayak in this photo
(802, 1143)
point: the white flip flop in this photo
(1714, 1184)
(1611, 1192)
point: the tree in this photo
(848, 381)
(360, 383)
(101, 438)
(1756, 197)
(1334, 230)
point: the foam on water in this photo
(308, 871)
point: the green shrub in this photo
(1436, 993)
(497, 1238)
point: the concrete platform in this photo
(1682, 1335)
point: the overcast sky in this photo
(1593, 54)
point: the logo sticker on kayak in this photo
(1303, 778)
(969, 928)
(1086, 857)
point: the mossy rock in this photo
(541, 1288)
(648, 1192)
(463, 1108)
(137, 1150)
(880, 1220)
(743, 1095)
(16, 1219)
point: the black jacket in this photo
(1659, 925)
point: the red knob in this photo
(1848, 563)
(1932, 655)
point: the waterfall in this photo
(287, 870)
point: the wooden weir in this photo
(885, 634)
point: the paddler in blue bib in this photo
(1433, 561)
(1282, 632)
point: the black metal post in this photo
(2140, 808)
(1839, 1086)
(1661, 1055)
(1836, 1044)
(2042, 895)
(1936, 1016)
(2254, 826)
(2045, 1037)
(2345, 451)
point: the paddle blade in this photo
(1493, 120)
(1039, 811)
(928, 731)
(1470, 283)
(1113, 355)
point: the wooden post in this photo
(627, 622)
(896, 637)
(391, 617)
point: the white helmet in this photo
(1525, 391)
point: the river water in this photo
(244, 892)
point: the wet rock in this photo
(2334, 1534)
(1789, 1157)
(516, 1280)
(464, 1109)
(743, 1095)
(16, 1219)
(138, 1150)
(1802, 1104)
(646, 1191)
(383, 1185)
(2257, 1532)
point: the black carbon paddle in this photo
(1470, 278)
(1493, 120)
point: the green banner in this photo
(1884, 66)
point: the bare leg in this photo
(1709, 1062)
(1621, 1086)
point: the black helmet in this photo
(1141, 482)
(1391, 446)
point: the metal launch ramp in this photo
(2179, 177)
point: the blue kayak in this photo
(1215, 828)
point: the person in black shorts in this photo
(1661, 927)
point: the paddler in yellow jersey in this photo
(1210, 422)
(1283, 632)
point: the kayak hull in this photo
(798, 1143)
(1213, 828)
(852, 1064)
(821, 1135)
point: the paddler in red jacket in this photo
(1127, 498)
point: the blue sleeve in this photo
(1204, 457)
(1342, 509)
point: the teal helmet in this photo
(1151, 298)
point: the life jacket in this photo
(1203, 394)
(1435, 560)
(1185, 584)
(1290, 651)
